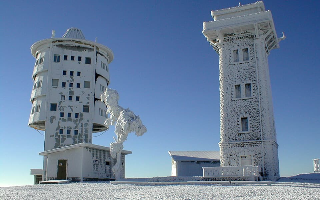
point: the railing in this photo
(241, 171)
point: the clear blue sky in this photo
(166, 72)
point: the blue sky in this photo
(166, 72)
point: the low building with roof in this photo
(190, 163)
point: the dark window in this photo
(75, 132)
(235, 55)
(72, 57)
(63, 84)
(248, 89)
(69, 114)
(61, 114)
(244, 124)
(65, 57)
(78, 85)
(88, 60)
(77, 98)
(63, 97)
(70, 84)
(87, 84)
(78, 73)
(64, 72)
(56, 58)
(79, 58)
(68, 131)
(70, 98)
(245, 54)
(238, 91)
(107, 163)
(85, 108)
(53, 107)
(71, 73)
(61, 131)
(76, 115)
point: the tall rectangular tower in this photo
(243, 36)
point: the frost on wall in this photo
(125, 122)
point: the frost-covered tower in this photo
(69, 75)
(243, 36)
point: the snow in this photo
(105, 190)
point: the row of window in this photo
(104, 66)
(56, 58)
(75, 132)
(64, 72)
(53, 107)
(244, 54)
(247, 90)
(76, 115)
(63, 97)
(35, 108)
(39, 61)
(37, 84)
(55, 83)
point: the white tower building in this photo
(243, 36)
(69, 75)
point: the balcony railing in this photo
(230, 171)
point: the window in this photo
(248, 89)
(63, 97)
(70, 98)
(78, 73)
(53, 107)
(69, 114)
(56, 58)
(76, 115)
(55, 82)
(235, 55)
(244, 124)
(63, 84)
(75, 132)
(77, 98)
(245, 54)
(61, 131)
(78, 85)
(61, 114)
(64, 72)
(71, 73)
(68, 131)
(70, 84)
(85, 108)
(79, 58)
(102, 88)
(65, 57)
(238, 91)
(87, 60)
(72, 57)
(87, 84)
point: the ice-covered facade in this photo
(71, 76)
(243, 36)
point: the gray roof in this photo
(74, 33)
(195, 155)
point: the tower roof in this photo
(74, 33)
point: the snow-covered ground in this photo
(286, 188)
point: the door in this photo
(62, 170)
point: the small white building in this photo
(190, 163)
(80, 162)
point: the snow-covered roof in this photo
(79, 145)
(195, 155)
(74, 33)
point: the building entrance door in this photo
(62, 170)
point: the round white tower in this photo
(243, 36)
(69, 75)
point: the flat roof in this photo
(195, 155)
(79, 145)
